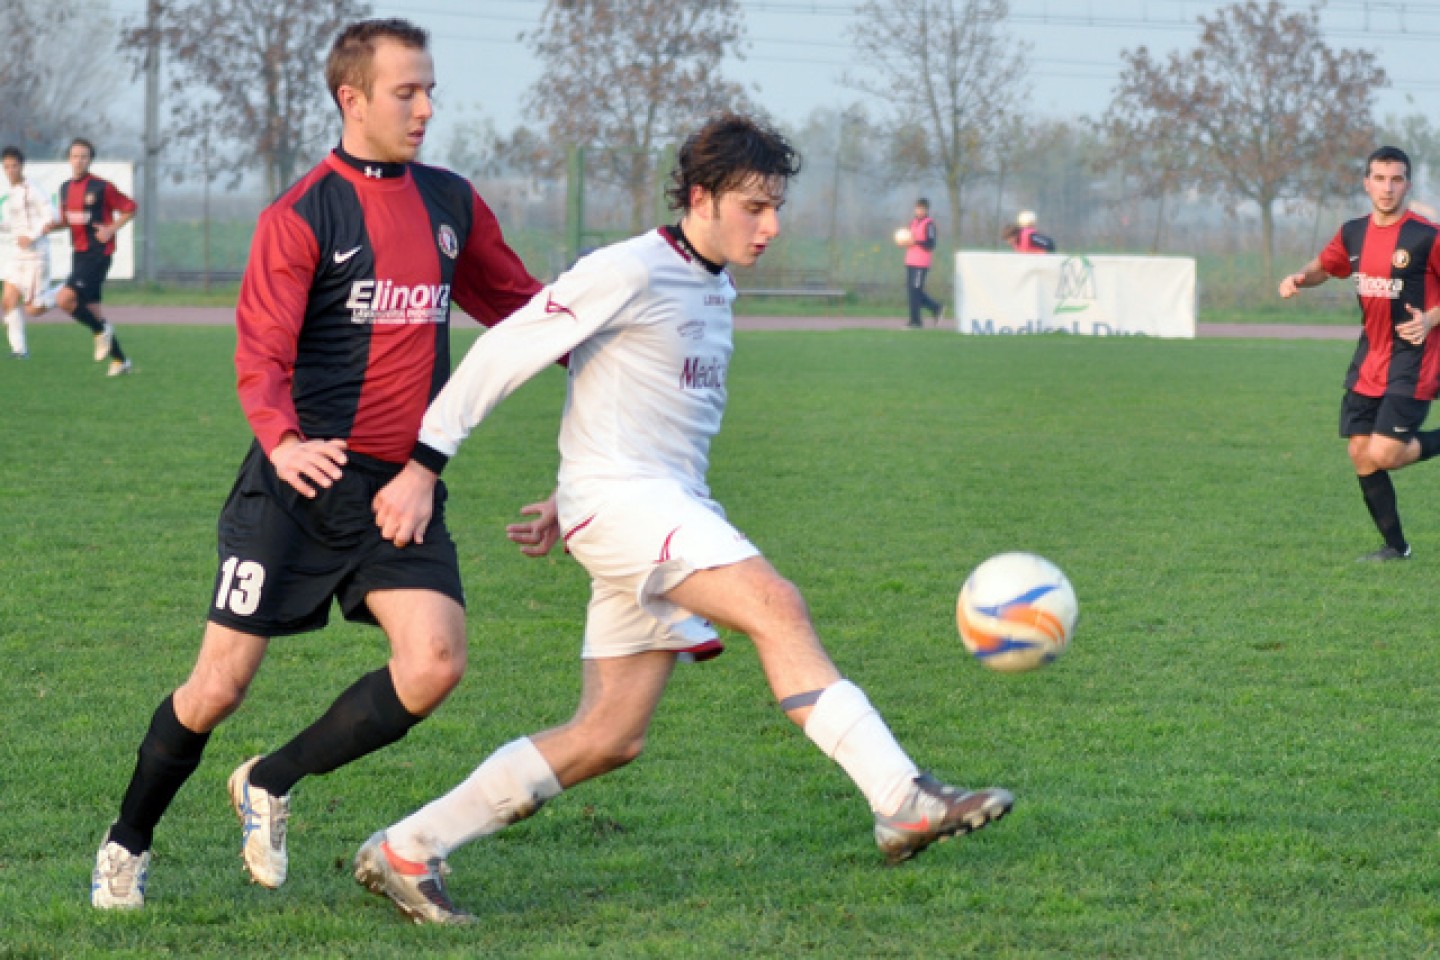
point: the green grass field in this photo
(1236, 758)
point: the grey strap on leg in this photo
(798, 700)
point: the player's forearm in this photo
(495, 366)
(1310, 275)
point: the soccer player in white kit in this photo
(28, 215)
(647, 325)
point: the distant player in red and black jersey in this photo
(94, 211)
(342, 342)
(1393, 255)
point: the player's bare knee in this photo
(435, 667)
(210, 700)
(784, 602)
(1390, 456)
(426, 686)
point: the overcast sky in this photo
(798, 50)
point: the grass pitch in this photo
(1235, 759)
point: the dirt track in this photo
(223, 316)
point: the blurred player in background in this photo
(919, 245)
(28, 216)
(95, 212)
(1395, 373)
(1024, 238)
(648, 327)
(343, 332)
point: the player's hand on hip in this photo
(307, 464)
(404, 505)
(536, 537)
(1418, 327)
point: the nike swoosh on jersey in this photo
(342, 257)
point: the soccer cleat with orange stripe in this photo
(418, 889)
(934, 811)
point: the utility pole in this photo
(149, 209)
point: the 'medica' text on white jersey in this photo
(649, 332)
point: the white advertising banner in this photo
(48, 177)
(1099, 296)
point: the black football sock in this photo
(1379, 493)
(363, 719)
(85, 315)
(166, 758)
(1429, 444)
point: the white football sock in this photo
(854, 735)
(510, 785)
(15, 328)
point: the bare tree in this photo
(632, 75)
(1270, 111)
(252, 68)
(951, 76)
(61, 74)
(1420, 139)
(1150, 153)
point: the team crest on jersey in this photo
(449, 243)
(90, 199)
(1400, 259)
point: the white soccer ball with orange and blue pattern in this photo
(1016, 612)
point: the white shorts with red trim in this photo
(638, 540)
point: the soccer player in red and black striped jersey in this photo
(94, 211)
(1393, 255)
(342, 342)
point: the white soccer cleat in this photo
(264, 819)
(937, 811)
(118, 368)
(418, 889)
(118, 881)
(103, 340)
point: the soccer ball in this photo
(1026, 218)
(903, 238)
(1016, 612)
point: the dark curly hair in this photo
(727, 151)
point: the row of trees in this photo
(1261, 110)
(53, 81)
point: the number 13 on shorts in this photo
(240, 584)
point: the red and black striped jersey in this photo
(86, 204)
(1393, 266)
(343, 322)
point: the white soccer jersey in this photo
(649, 333)
(25, 213)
